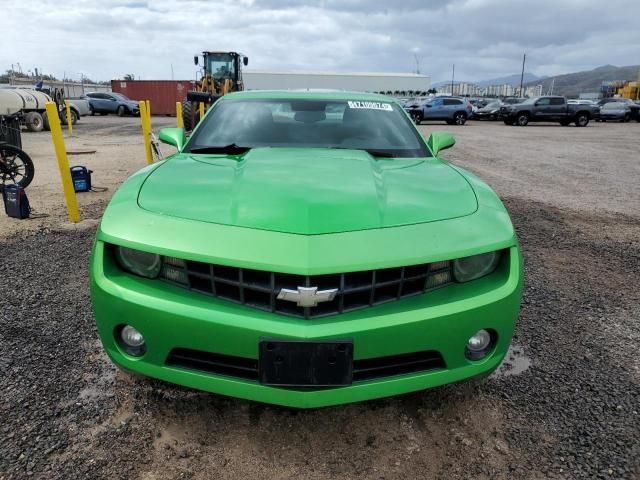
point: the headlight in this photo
(476, 266)
(141, 263)
(493, 111)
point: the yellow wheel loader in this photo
(221, 74)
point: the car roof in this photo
(307, 95)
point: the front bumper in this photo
(611, 117)
(170, 317)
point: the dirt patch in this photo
(573, 413)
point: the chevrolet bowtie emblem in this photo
(307, 296)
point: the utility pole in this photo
(172, 71)
(524, 58)
(453, 76)
(415, 56)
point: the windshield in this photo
(493, 105)
(222, 65)
(380, 128)
(120, 96)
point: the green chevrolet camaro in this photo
(306, 249)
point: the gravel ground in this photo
(565, 404)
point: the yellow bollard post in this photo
(201, 104)
(63, 161)
(69, 122)
(179, 122)
(146, 130)
(149, 117)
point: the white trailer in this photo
(392, 83)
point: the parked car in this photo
(79, 108)
(634, 108)
(81, 105)
(491, 111)
(483, 102)
(577, 101)
(547, 109)
(414, 102)
(105, 103)
(615, 112)
(343, 269)
(454, 111)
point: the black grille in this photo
(247, 368)
(259, 289)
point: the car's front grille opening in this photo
(396, 365)
(353, 290)
(227, 365)
(248, 368)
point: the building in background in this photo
(533, 91)
(71, 89)
(390, 83)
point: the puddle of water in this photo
(514, 363)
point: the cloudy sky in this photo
(485, 38)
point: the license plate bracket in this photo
(287, 363)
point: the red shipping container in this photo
(163, 94)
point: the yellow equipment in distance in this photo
(221, 74)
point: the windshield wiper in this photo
(380, 153)
(231, 149)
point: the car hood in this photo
(307, 190)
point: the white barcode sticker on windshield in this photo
(370, 105)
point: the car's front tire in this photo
(460, 118)
(582, 120)
(74, 117)
(523, 120)
(122, 111)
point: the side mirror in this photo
(437, 142)
(245, 60)
(195, 60)
(173, 136)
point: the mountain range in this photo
(568, 84)
(573, 84)
(513, 80)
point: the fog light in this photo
(131, 337)
(479, 344)
(132, 341)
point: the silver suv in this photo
(453, 110)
